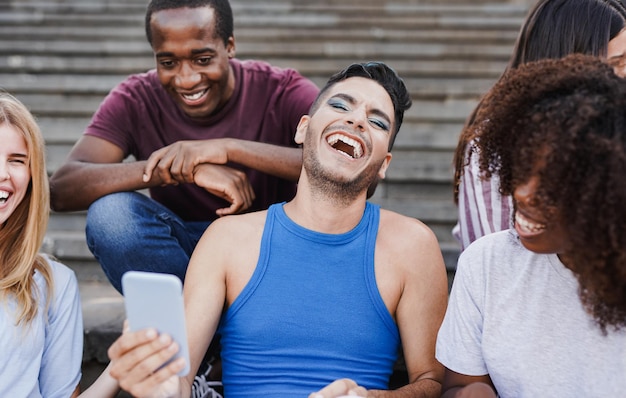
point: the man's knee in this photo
(117, 209)
(113, 219)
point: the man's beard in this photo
(327, 184)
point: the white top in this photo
(44, 360)
(516, 315)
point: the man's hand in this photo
(227, 183)
(340, 388)
(136, 360)
(176, 163)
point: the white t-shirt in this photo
(516, 315)
(44, 360)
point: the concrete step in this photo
(98, 84)
(313, 48)
(440, 135)
(315, 68)
(273, 33)
(402, 20)
(103, 317)
(84, 104)
(40, 11)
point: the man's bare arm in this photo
(93, 169)
(178, 161)
(456, 384)
(134, 355)
(275, 160)
(421, 306)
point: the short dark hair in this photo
(223, 14)
(383, 75)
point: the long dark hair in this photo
(553, 29)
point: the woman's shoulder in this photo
(501, 255)
(61, 274)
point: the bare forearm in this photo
(104, 386)
(451, 393)
(185, 389)
(425, 388)
(283, 162)
(77, 184)
(475, 389)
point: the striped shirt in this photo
(482, 209)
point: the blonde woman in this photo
(41, 329)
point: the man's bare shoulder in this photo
(233, 239)
(399, 227)
(409, 265)
(408, 240)
(237, 228)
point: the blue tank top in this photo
(310, 314)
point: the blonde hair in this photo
(22, 234)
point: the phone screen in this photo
(155, 300)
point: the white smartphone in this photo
(155, 300)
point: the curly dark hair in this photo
(573, 112)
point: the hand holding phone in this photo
(155, 300)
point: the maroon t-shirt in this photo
(140, 117)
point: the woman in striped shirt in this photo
(552, 29)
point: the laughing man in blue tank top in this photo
(316, 296)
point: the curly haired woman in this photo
(552, 29)
(540, 310)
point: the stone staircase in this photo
(61, 57)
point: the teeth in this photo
(195, 96)
(4, 194)
(356, 149)
(527, 225)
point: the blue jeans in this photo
(130, 231)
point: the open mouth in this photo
(4, 196)
(346, 145)
(527, 226)
(195, 96)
